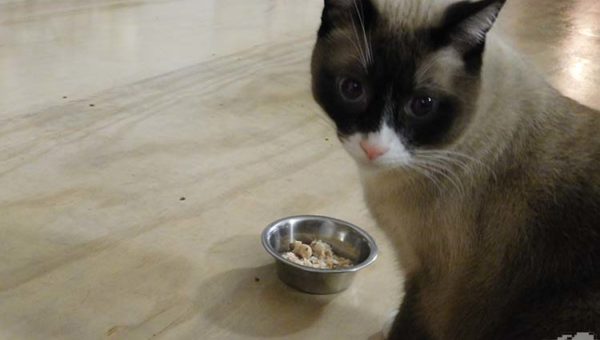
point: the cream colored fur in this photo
(424, 224)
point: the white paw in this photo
(387, 326)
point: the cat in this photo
(484, 177)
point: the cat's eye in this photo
(423, 106)
(351, 89)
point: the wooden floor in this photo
(144, 145)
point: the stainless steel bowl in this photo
(346, 239)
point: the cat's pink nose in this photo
(373, 151)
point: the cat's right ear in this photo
(467, 23)
(465, 26)
(337, 13)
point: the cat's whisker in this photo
(448, 163)
(444, 172)
(357, 58)
(424, 173)
(360, 55)
(360, 13)
(356, 35)
(442, 166)
(451, 153)
(462, 164)
(474, 160)
(437, 168)
(433, 174)
(453, 156)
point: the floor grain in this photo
(113, 111)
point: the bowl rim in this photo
(374, 250)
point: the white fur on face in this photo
(386, 138)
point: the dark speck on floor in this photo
(257, 279)
(182, 199)
(92, 105)
(64, 97)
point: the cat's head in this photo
(400, 77)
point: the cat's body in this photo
(495, 215)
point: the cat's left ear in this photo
(466, 24)
(337, 13)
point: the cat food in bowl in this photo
(316, 254)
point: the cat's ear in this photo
(466, 24)
(337, 13)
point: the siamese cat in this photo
(485, 178)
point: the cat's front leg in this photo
(407, 325)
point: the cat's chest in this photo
(400, 209)
(427, 230)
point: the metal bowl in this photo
(346, 239)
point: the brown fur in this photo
(515, 253)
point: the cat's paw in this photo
(387, 326)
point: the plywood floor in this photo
(144, 145)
